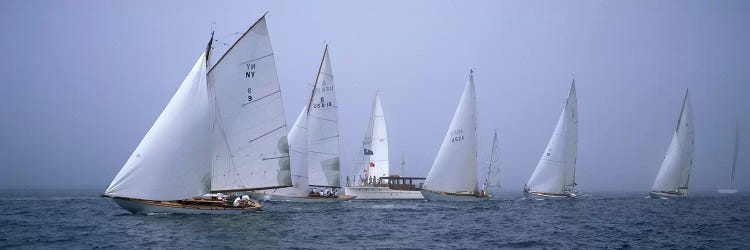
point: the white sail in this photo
(674, 173)
(455, 166)
(735, 148)
(323, 130)
(298, 156)
(492, 179)
(250, 145)
(555, 172)
(173, 160)
(375, 144)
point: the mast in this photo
(403, 162)
(490, 163)
(735, 148)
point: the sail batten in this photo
(674, 173)
(455, 167)
(555, 172)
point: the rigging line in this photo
(261, 98)
(256, 59)
(330, 137)
(273, 158)
(232, 165)
(267, 133)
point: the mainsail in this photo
(173, 160)
(492, 180)
(455, 166)
(674, 173)
(375, 144)
(250, 149)
(555, 172)
(323, 132)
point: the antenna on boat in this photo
(403, 162)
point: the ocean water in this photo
(82, 219)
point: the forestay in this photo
(323, 132)
(249, 139)
(555, 172)
(674, 173)
(455, 166)
(173, 160)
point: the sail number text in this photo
(249, 94)
(457, 135)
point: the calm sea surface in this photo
(81, 219)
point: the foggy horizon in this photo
(85, 80)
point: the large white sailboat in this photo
(555, 174)
(314, 146)
(222, 132)
(731, 189)
(453, 176)
(375, 181)
(674, 174)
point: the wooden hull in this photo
(440, 196)
(383, 193)
(138, 206)
(541, 196)
(279, 198)
(663, 195)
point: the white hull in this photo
(279, 198)
(436, 196)
(382, 193)
(727, 191)
(143, 208)
(542, 196)
(662, 195)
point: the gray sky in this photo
(85, 80)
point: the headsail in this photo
(375, 144)
(323, 132)
(555, 172)
(455, 166)
(172, 161)
(674, 173)
(250, 144)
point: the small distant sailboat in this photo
(674, 174)
(211, 138)
(731, 189)
(314, 146)
(491, 181)
(453, 176)
(555, 174)
(376, 183)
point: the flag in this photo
(372, 164)
(368, 152)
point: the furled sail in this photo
(555, 172)
(375, 144)
(455, 166)
(250, 149)
(323, 129)
(173, 160)
(674, 173)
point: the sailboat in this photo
(375, 181)
(453, 176)
(223, 131)
(731, 189)
(555, 174)
(314, 146)
(491, 181)
(674, 174)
